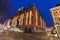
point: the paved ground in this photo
(25, 36)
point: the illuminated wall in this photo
(56, 14)
(14, 21)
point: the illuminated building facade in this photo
(31, 17)
(56, 14)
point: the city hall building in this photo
(30, 19)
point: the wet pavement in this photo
(8, 35)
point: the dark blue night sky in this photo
(12, 6)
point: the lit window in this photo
(55, 12)
(59, 11)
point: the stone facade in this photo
(29, 18)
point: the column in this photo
(40, 22)
(30, 17)
(36, 19)
(27, 18)
(22, 19)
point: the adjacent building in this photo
(56, 17)
(7, 23)
(56, 14)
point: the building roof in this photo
(55, 8)
(57, 5)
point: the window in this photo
(55, 12)
(59, 11)
(57, 19)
